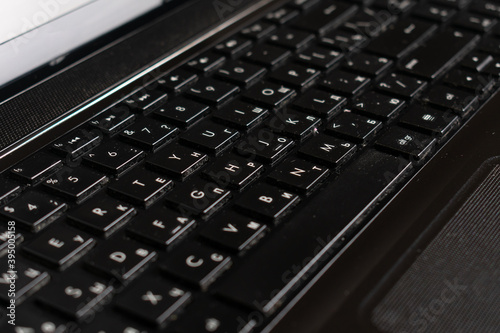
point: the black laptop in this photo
(249, 166)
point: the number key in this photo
(149, 134)
(34, 210)
(76, 184)
(182, 112)
(114, 157)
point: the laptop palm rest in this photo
(453, 284)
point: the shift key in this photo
(439, 54)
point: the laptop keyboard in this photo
(190, 205)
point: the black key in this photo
(299, 175)
(457, 4)
(401, 38)
(344, 41)
(477, 61)
(149, 134)
(304, 4)
(36, 168)
(77, 143)
(452, 99)
(368, 64)
(177, 81)
(234, 171)
(182, 112)
(241, 73)
(265, 146)
(7, 236)
(268, 55)
(263, 286)
(489, 8)
(211, 316)
(439, 53)
(269, 95)
(320, 57)
(320, 103)
(177, 161)
(472, 82)
(145, 100)
(490, 45)
(197, 264)
(267, 202)
(493, 69)
(354, 127)
(258, 30)
(294, 124)
(296, 76)
(34, 211)
(102, 215)
(345, 83)
(114, 157)
(110, 321)
(153, 300)
(437, 14)
(160, 226)
(241, 115)
(291, 39)
(407, 143)
(369, 22)
(34, 320)
(76, 184)
(113, 120)
(429, 120)
(395, 6)
(234, 46)
(234, 232)
(27, 279)
(121, 259)
(212, 92)
(8, 190)
(210, 137)
(206, 62)
(60, 246)
(77, 296)
(401, 85)
(282, 15)
(328, 150)
(141, 187)
(325, 17)
(474, 22)
(379, 106)
(198, 197)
